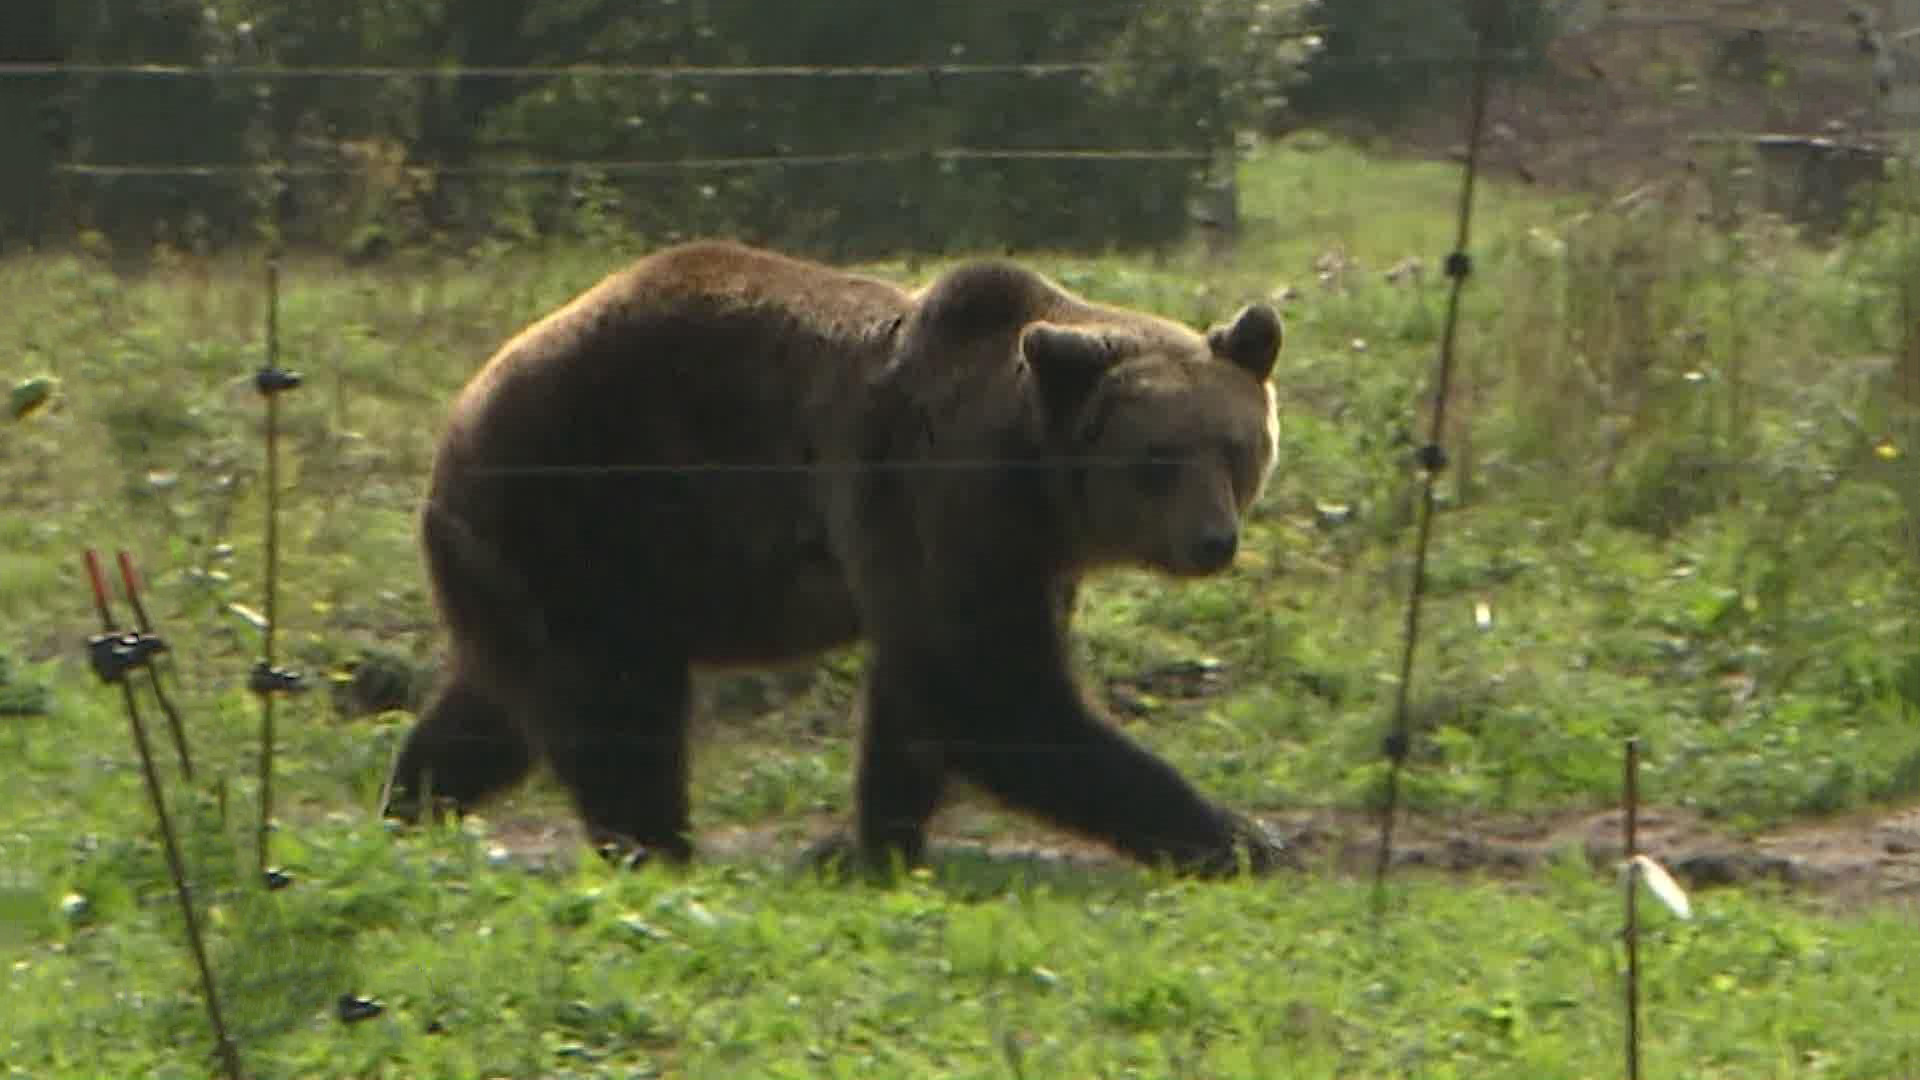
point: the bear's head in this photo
(1170, 433)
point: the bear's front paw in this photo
(403, 806)
(839, 855)
(627, 853)
(1253, 849)
(1264, 850)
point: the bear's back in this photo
(699, 353)
(652, 446)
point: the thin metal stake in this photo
(178, 730)
(176, 867)
(273, 561)
(268, 681)
(1431, 461)
(1631, 820)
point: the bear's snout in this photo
(1213, 550)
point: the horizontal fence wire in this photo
(932, 70)
(504, 71)
(693, 468)
(1837, 33)
(265, 72)
(562, 168)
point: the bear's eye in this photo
(1157, 469)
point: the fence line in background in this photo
(561, 168)
(821, 468)
(504, 71)
(673, 72)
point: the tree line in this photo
(380, 163)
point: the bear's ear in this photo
(1066, 364)
(1252, 340)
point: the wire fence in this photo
(1673, 412)
(569, 168)
(286, 158)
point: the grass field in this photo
(1686, 510)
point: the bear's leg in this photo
(464, 748)
(1034, 743)
(900, 776)
(616, 736)
(898, 785)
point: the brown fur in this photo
(725, 457)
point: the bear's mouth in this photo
(1200, 558)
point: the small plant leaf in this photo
(29, 394)
(1661, 885)
(249, 616)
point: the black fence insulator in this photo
(270, 380)
(1396, 745)
(113, 655)
(267, 679)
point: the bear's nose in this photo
(1215, 549)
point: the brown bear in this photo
(723, 457)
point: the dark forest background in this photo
(433, 156)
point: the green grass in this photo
(1674, 512)
(738, 970)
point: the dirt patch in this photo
(1855, 859)
(1862, 859)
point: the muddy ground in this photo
(1867, 858)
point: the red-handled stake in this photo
(113, 654)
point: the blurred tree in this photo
(411, 153)
(1382, 54)
(1184, 76)
(130, 118)
(487, 33)
(33, 126)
